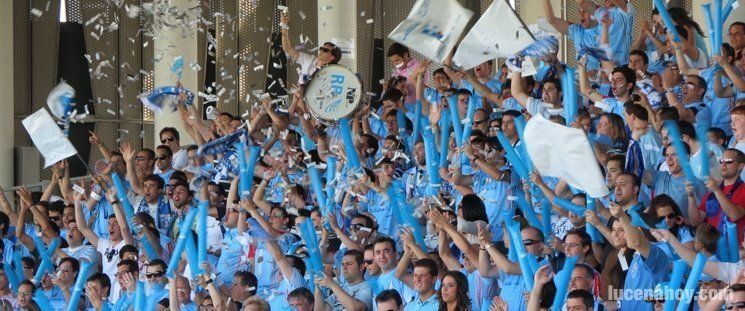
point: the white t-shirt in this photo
(180, 160)
(308, 66)
(109, 259)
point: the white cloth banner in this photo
(565, 153)
(432, 27)
(48, 137)
(498, 33)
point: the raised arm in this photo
(584, 82)
(483, 89)
(93, 139)
(720, 90)
(6, 207)
(517, 89)
(457, 237)
(286, 45)
(284, 265)
(452, 74)
(83, 226)
(128, 153)
(634, 237)
(561, 25)
(402, 267)
(121, 218)
(667, 83)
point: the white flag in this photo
(48, 137)
(432, 27)
(565, 153)
(498, 33)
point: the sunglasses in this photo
(738, 305)
(356, 226)
(726, 161)
(324, 49)
(478, 122)
(154, 275)
(530, 242)
(655, 301)
(368, 261)
(161, 158)
(167, 139)
(670, 216)
(139, 158)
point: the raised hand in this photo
(93, 139)
(128, 153)
(543, 275)
(484, 234)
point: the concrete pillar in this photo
(169, 43)
(337, 22)
(6, 92)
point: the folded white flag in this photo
(48, 137)
(432, 27)
(498, 33)
(565, 153)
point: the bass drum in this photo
(333, 92)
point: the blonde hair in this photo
(257, 301)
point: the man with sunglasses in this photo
(155, 273)
(690, 107)
(726, 201)
(163, 162)
(169, 136)
(328, 53)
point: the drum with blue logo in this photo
(333, 92)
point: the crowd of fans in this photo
(74, 245)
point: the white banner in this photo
(498, 33)
(48, 137)
(432, 27)
(565, 153)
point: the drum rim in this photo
(307, 101)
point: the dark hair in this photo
(463, 301)
(359, 257)
(248, 279)
(397, 49)
(393, 95)
(641, 54)
(440, 71)
(74, 263)
(553, 81)
(29, 283)
(473, 208)
(740, 156)
(168, 151)
(681, 18)
(335, 52)
(156, 179)
(369, 223)
(129, 248)
(158, 262)
(172, 130)
(638, 111)
(132, 265)
(708, 236)
(150, 153)
(302, 292)
(429, 264)
(370, 141)
(387, 295)
(385, 239)
(102, 279)
(686, 128)
(463, 92)
(583, 236)
(634, 179)
(701, 83)
(685, 146)
(717, 132)
(669, 113)
(5, 222)
(661, 200)
(628, 74)
(587, 299)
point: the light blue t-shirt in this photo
(278, 298)
(720, 107)
(675, 187)
(431, 304)
(620, 32)
(645, 273)
(494, 195)
(493, 85)
(586, 37)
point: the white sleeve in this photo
(727, 271)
